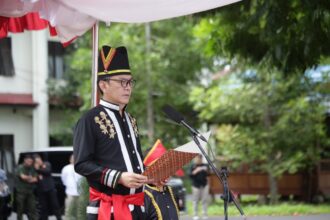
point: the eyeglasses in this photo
(124, 82)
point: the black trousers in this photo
(5, 208)
(48, 203)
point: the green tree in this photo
(64, 101)
(274, 123)
(290, 34)
(174, 62)
(257, 109)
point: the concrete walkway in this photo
(303, 217)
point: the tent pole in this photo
(95, 45)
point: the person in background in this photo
(70, 180)
(200, 186)
(46, 191)
(159, 200)
(5, 208)
(26, 179)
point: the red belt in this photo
(118, 202)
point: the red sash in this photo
(118, 202)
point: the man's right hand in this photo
(132, 180)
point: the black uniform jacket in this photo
(199, 179)
(46, 183)
(105, 145)
(160, 205)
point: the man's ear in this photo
(102, 85)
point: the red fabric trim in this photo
(30, 21)
(52, 31)
(3, 26)
(17, 99)
(65, 44)
(118, 202)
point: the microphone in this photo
(178, 118)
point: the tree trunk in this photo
(271, 178)
(273, 188)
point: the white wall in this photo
(17, 122)
(22, 81)
(28, 124)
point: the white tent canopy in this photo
(73, 18)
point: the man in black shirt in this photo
(200, 187)
(107, 147)
(46, 191)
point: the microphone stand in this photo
(222, 176)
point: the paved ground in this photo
(308, 217)
(185, 217)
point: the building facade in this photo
(24, 109)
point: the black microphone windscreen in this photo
(172, 114)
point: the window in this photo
(55, 60)
(7, 161)
(6, 59)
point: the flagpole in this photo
(95, 45)
(150, 108)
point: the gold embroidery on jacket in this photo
(134, 125)
(105, 124)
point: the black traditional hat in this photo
(112, 61)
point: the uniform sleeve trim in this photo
(111, 178)
(116, 179)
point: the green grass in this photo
(250, 208)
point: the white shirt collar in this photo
(109, 105)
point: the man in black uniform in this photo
(46, 191)
(159, 200)
(107, 147)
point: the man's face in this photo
(38, 160)
(198, 160)
(28, 162)
(115, 92)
